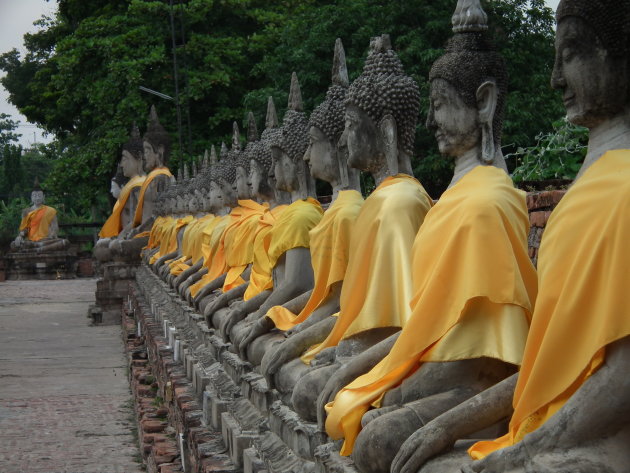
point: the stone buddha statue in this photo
(380, 117)
(262, 187)
(156, 144)
(131, 165)
(289, 248)
(326, 156)
(449, 348)
(38, 228)
(569, 404)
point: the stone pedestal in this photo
(48, 265)
(112, 289)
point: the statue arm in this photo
(357, 366)
(53, 228)
(239, 313)
(295, 346)
(224, 299)
(440, 434)
(326, 308)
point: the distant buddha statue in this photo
(289, 253)
(156, 144)
(38, 228)
(473, 285)
(127, 196)
(569, 405)
(381, 111)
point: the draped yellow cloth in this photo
(161, 171)
(583, 305)
(260, 278)
(292, 228)
(191, 245)
(168, 242)
(156, 231)
(377, 286)
(330, 249)
(38, 222)
(213, 234)
(239, 240)
(113, 225)
(474, 290)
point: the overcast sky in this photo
(16, 19)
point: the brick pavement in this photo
(65, 404)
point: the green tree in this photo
(80, 76)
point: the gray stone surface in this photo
(65, 404)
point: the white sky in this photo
(16, 19)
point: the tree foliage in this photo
(81, 74)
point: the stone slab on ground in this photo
(65, 404)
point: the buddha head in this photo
(156, 143)
(118, 182)
(592, 62)
(237, 161)
(260, 181)
(37, 195)
(290, 171)
(326, 154)
(132, 154)
(468, 90)
(381, 113)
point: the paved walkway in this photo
(65, 405)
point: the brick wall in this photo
(540, 205)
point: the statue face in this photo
(114, 189)
(152, 158)
(366, 150)
(192, 202)
(455, 125)
(240, 187)
(593, 83)
(37, 197)
(130, 165)
(216, 198)
(284, 170)
(321, 156)
(255, 177)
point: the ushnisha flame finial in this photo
(224, 151)
(469, 17)
(295, 95)
(271, 120)
(340, 70)
(252, 129)
(214, 159)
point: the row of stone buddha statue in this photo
(404, 326)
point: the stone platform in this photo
(22, 265)
(112, 289)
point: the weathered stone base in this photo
(218, 402)
(112, 290)
(51, 265)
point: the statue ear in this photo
(389, 133)
(487, 96)
(342, 161)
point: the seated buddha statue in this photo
(38, 228)
(380, 118)
(288, 252)
(326, 156)
(570, 403)
(263, 189)
(127, 199)
(473, 284)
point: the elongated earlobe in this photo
(389, 132)
(487, 95)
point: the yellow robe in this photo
(38, 222)
(261, 278)
(377, 286)
(474, 290)
(168, 242)
(191, 244)
(212, 236)
(292, 228)
(239, 240)
(163, 171)
(156, 232)
(583, 305)
(113, 225)
(330, 249)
